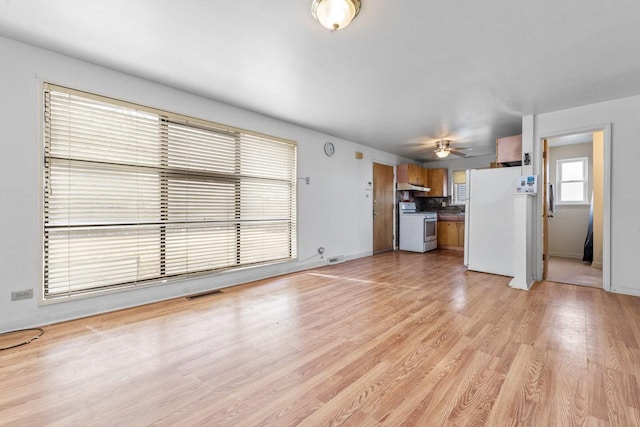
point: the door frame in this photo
(606, 189)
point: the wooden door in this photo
(383, 204)
(545, 209)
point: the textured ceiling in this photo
(402, 75)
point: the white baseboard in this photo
(565, 255)
(626, 291)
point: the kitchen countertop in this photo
(450, 216)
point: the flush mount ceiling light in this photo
(335, 14)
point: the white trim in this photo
(625, 290)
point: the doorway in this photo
(573, 175)
(383, 207)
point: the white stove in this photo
(418, 230)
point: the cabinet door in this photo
(402, 173)
(447, 233)
(461, 234)
(416, 176)
(438, 182)
(509, 149)
(425, 177)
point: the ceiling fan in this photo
(443, 148)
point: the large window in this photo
(135, 196)
(572, 184)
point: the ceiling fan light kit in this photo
(335, 14)
(441, 153)
(443, 149)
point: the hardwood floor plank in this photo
(477, 392)
(394, 339)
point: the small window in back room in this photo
(459, 187)
(572, 181)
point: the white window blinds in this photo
(134, 196)
(459, 187)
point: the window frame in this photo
(585, 181)
(455, 188)
(166, 175)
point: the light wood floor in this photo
(573, 271)
(394, 339)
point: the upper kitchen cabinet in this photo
(509, 150)
(438, 179)
(412, 174)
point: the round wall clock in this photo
(329, 148)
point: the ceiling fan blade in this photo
(457, 153)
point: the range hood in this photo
(410, 187)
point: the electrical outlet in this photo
(24, 294)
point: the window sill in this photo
(558, 204)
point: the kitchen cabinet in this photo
(412, 174)
(509, 150)
(438, 180)
(425, 177)
(451, 235)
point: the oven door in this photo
(430, 230)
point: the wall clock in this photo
(329, 148)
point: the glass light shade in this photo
(442, 153)
(335, 14)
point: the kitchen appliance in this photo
(418, 230)
(488, 240)
(410, 187)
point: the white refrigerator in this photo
(488, 232)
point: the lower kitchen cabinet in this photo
(451, 235)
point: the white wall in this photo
(334, 211)
(568, 227)
(621, 225)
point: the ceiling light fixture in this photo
(335, 14)
(442, 153)
(442, 149)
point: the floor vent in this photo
(203, 294)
